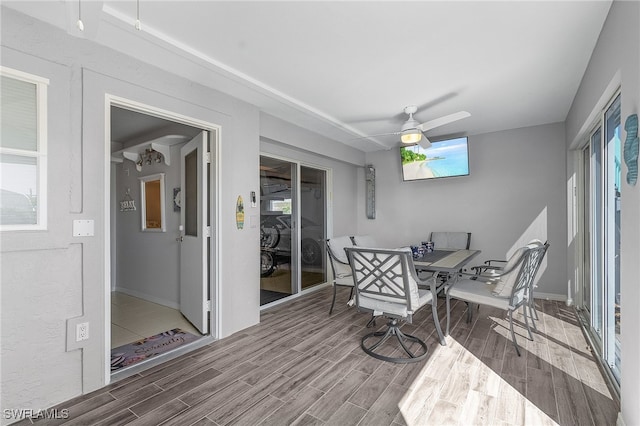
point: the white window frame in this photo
(40, 154)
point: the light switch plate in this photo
(83, 228)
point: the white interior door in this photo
(194, 264)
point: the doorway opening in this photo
(160, 250)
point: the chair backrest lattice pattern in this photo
(543, 247)
(384, 275)
(540, 250)
(530, 262)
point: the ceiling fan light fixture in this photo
(414, 132)
(411, 136)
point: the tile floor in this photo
(134, 319)
(302, 366)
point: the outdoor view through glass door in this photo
(601, 218)
(312, 226)
(276, 230)
(292, 250)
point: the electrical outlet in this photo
(82, 331)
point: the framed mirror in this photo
(152, 203)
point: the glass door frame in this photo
(308, 235)
(296, 234)
(597, 244)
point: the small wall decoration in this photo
(370, 178)
(152, 202)
(240, 213)
(177, 199)
(631, 149)
(127, 204)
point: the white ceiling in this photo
(348, 69)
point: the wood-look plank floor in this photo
(301, 366)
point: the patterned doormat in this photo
(131, 353)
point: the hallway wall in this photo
(148, 263)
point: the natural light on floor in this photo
(478, 379)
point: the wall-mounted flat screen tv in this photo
(445, 158)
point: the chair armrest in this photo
(426, 282)
(488, 262)
(486, 279)
(483, 268)
(480, 277)
(467, 275)
(430, 283)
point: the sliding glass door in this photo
(612, 180)
(587, 255)
(601, 218)
(597, 262)
(293, 224)
(313, 220)
(277, 233)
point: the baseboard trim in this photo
(148, 297)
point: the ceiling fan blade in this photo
(379, 134)
(443, 120)
(424, 142)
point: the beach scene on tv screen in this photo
(441, 159)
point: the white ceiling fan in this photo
(413, 132)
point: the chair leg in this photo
(394, 330)
(333, 302)
(372, 321)
(384, 335)
(535, 311)
(448, 314)
(513, 335)
(434, 311)
(532, 316)
(526, 321)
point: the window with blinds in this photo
(23, 151)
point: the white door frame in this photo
(214, 218)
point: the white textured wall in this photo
(616, 58)
(280, 138)
(40, 289)
(49, 277)
(69, 278)
(305, 141)
(41, 283)
(515, 192)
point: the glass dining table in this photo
(445, 262)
